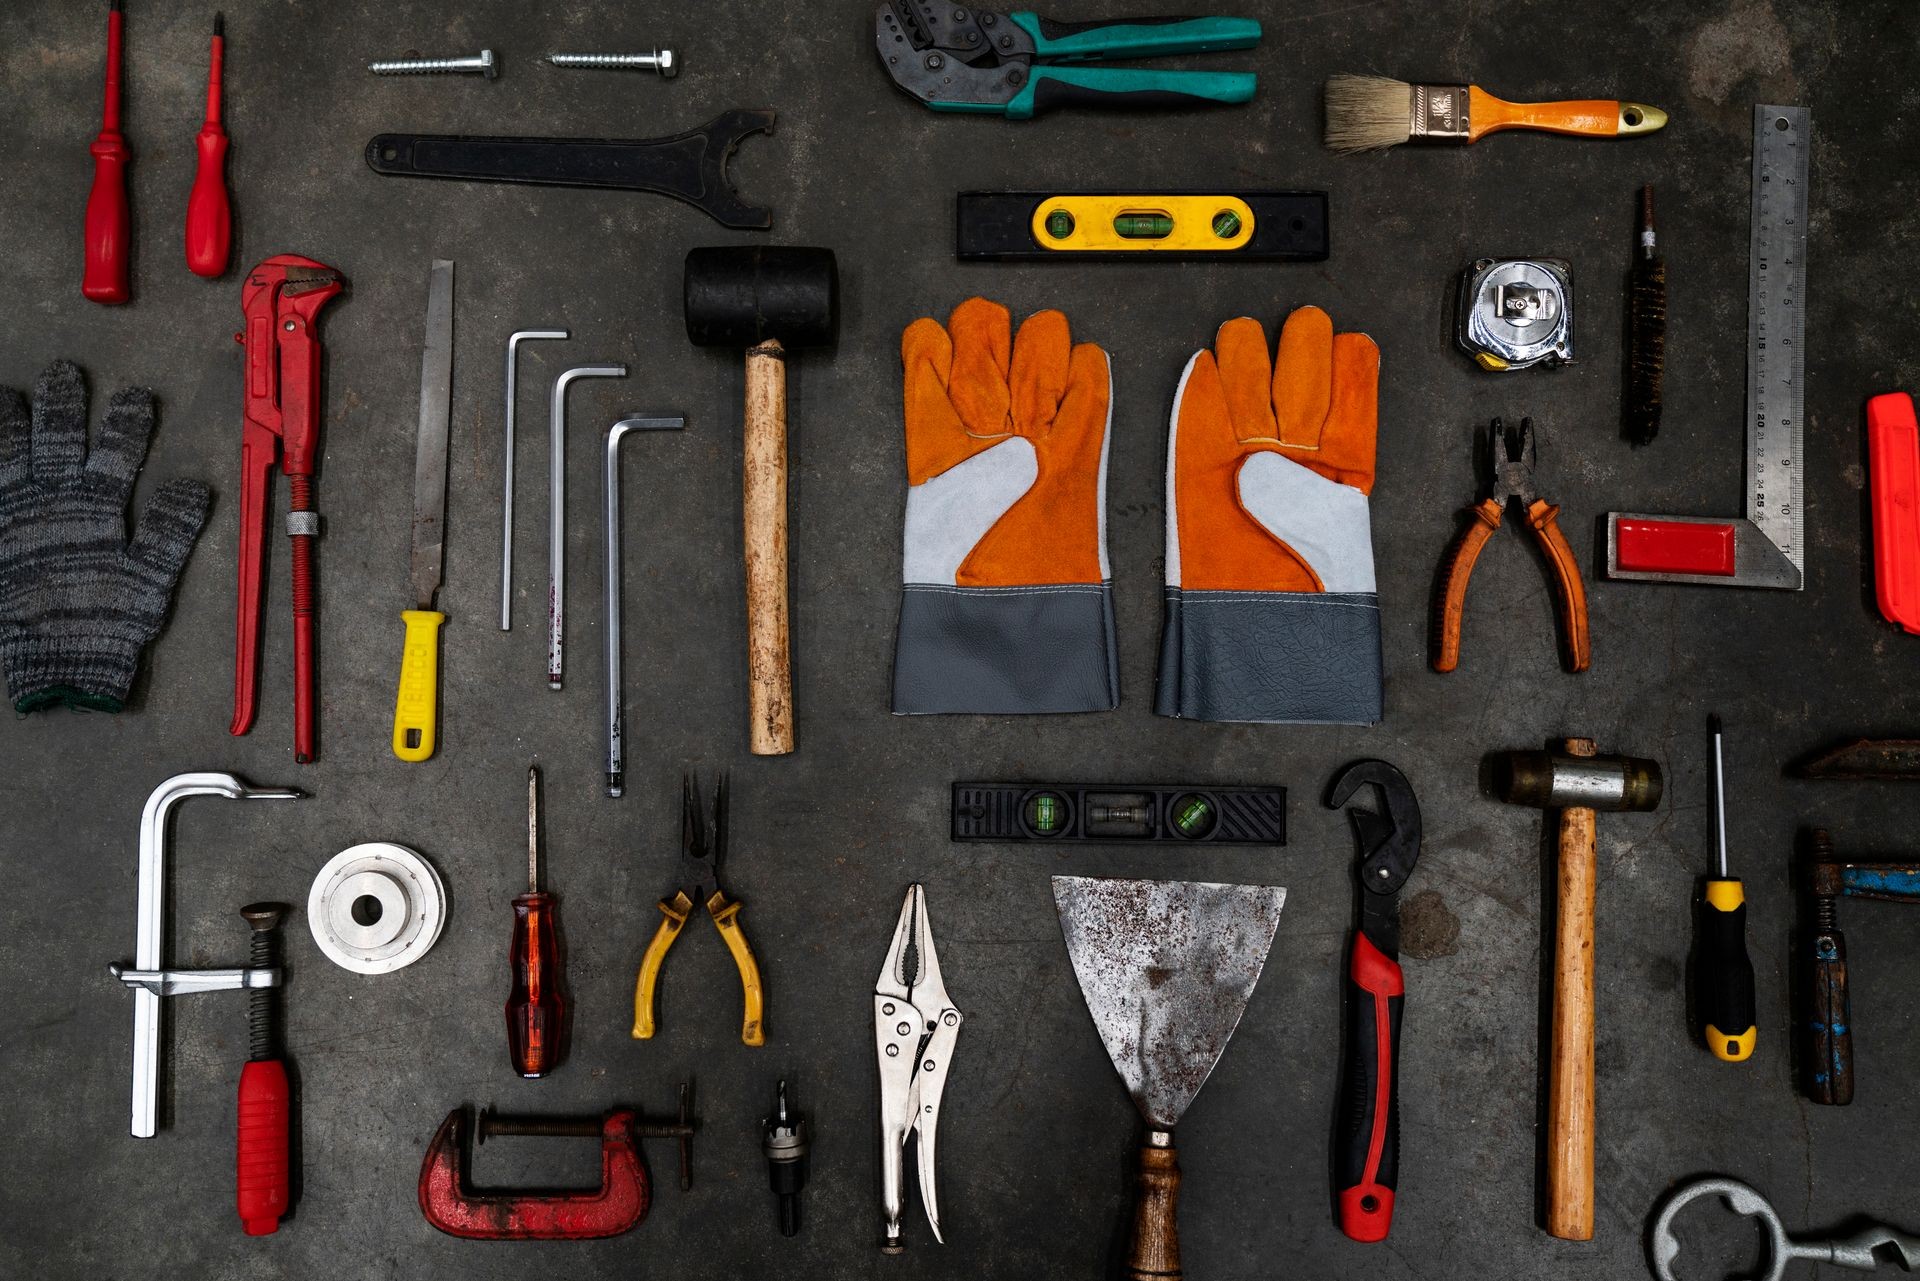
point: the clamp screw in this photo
(481, 62)
(935, 62)
(660, 60)
(262, 1029)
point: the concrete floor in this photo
(1036, 1134)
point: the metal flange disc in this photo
(376, 908)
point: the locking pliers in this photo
(915, 1027)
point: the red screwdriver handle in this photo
(1367, 1143)
(535, 1007)
(209, 209)
(109, 222)
(264, 1184)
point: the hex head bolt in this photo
(481, 62)
(660, 60)
(263, 1183)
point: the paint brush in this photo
(1646, 331)
(1372, 113)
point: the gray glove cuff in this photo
(1005, 650)
(1286, 657)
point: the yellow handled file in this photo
(416, 708)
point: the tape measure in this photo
(1263, 226)
(1768, 547)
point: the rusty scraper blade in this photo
(1166, 968)
(1866, 759)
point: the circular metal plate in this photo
(376, 908)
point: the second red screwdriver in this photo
(536, 1007)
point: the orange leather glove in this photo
(1007, 604)
(1271, 613)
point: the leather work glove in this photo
(78, 601)
(1007, 604)
(1270, 607)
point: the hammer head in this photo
(739, 296)
(1552, 781)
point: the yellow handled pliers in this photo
(700, 883)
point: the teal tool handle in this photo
(1134, 37)
(1126, 88)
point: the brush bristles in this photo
(1367, 113)
(1646, 349)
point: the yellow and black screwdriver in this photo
(1725, 972)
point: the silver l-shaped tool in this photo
(557, 516)
(616, 696)
(148, 976)
(506, 490)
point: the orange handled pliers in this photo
(1511, 457)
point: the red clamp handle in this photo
(264, 1183)
(1893, 475)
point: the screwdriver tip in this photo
(1713, 724)
(114, 6)
(219, 24)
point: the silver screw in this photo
(481, 62)
(661, 60)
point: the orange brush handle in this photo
(1587, 118)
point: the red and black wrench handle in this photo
(1367, 1145)
(283, 425)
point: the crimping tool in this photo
(1010, 64)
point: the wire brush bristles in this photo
(1367, 113)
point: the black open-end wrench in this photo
(689, 166)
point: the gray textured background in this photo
(1036, 1133)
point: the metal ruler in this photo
(1768, 547)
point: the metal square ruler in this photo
(1766, 548)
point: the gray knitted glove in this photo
(78, 601)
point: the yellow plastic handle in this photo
(416, 708)
(726, 919)
(673, 916)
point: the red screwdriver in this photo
(209, 210)
(536, 1011)
(108, 221)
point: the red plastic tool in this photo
(263, 1182)
(1893, 475)
(536, 1006)
(209, 208)
(281, 299)
(109, 222)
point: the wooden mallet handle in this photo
(1153, 1247)
(764, 493)
(1570, 1070)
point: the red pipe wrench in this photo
(281, 299)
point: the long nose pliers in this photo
(1020, 64)
(1511, 458)
(700, 855)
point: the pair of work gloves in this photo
(1270, 612)
(79, 599)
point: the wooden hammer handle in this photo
(1153, 1246)
(764, 494)
(1570, 1071)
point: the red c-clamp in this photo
(619, 1203)
(281, 299)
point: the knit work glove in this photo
(1270, 607)
(1007, 604)
(78, 600)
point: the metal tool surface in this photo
(614, 557)
(506, 479)
(1864, 1249)
(1766, 547)
(690, 166)
(1884, 760)
(376, 907)
(416, 706)
(557, 515)
(148, 976)
(915, 1030)
(1166, 968)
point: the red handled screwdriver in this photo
(536, 1011)
(209, 208)
(109, 230)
